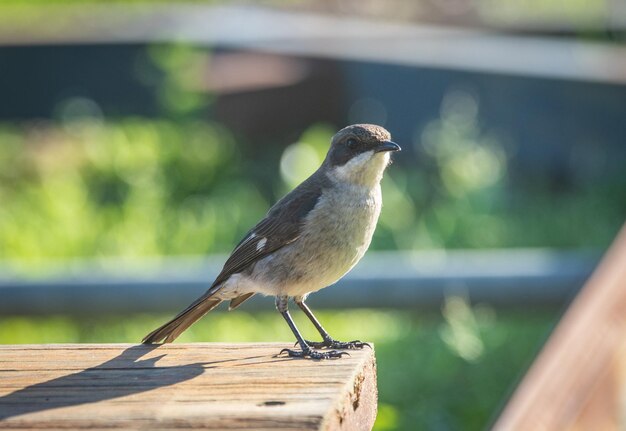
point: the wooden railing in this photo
(578, 380)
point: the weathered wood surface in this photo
(207, 385)
(578, 381)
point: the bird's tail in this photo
(172, 329)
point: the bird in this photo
(307, 241)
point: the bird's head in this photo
(360, 154)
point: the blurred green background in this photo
(149, 156)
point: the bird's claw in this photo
(313, 354)
(333, 344)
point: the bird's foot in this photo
(313, 354)
(334, 344)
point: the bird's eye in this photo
(352, 143)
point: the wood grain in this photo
(205, 385)
(578, 380)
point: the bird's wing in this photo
(281, 226)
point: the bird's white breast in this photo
(338, 233)
(335, 235)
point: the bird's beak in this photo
(387, 146)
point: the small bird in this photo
(308, 240)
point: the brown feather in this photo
(236, 302)
(172, 329)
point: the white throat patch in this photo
(366, 169)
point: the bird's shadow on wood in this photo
(121, 376)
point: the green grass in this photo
(436, 371)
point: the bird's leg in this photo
(306, 352)
(328, 342)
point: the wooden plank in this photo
(199, 385)
(577, 381)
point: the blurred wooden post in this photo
(578, 380)
(209, 385)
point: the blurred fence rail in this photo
(321, 35)
(419, 280)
